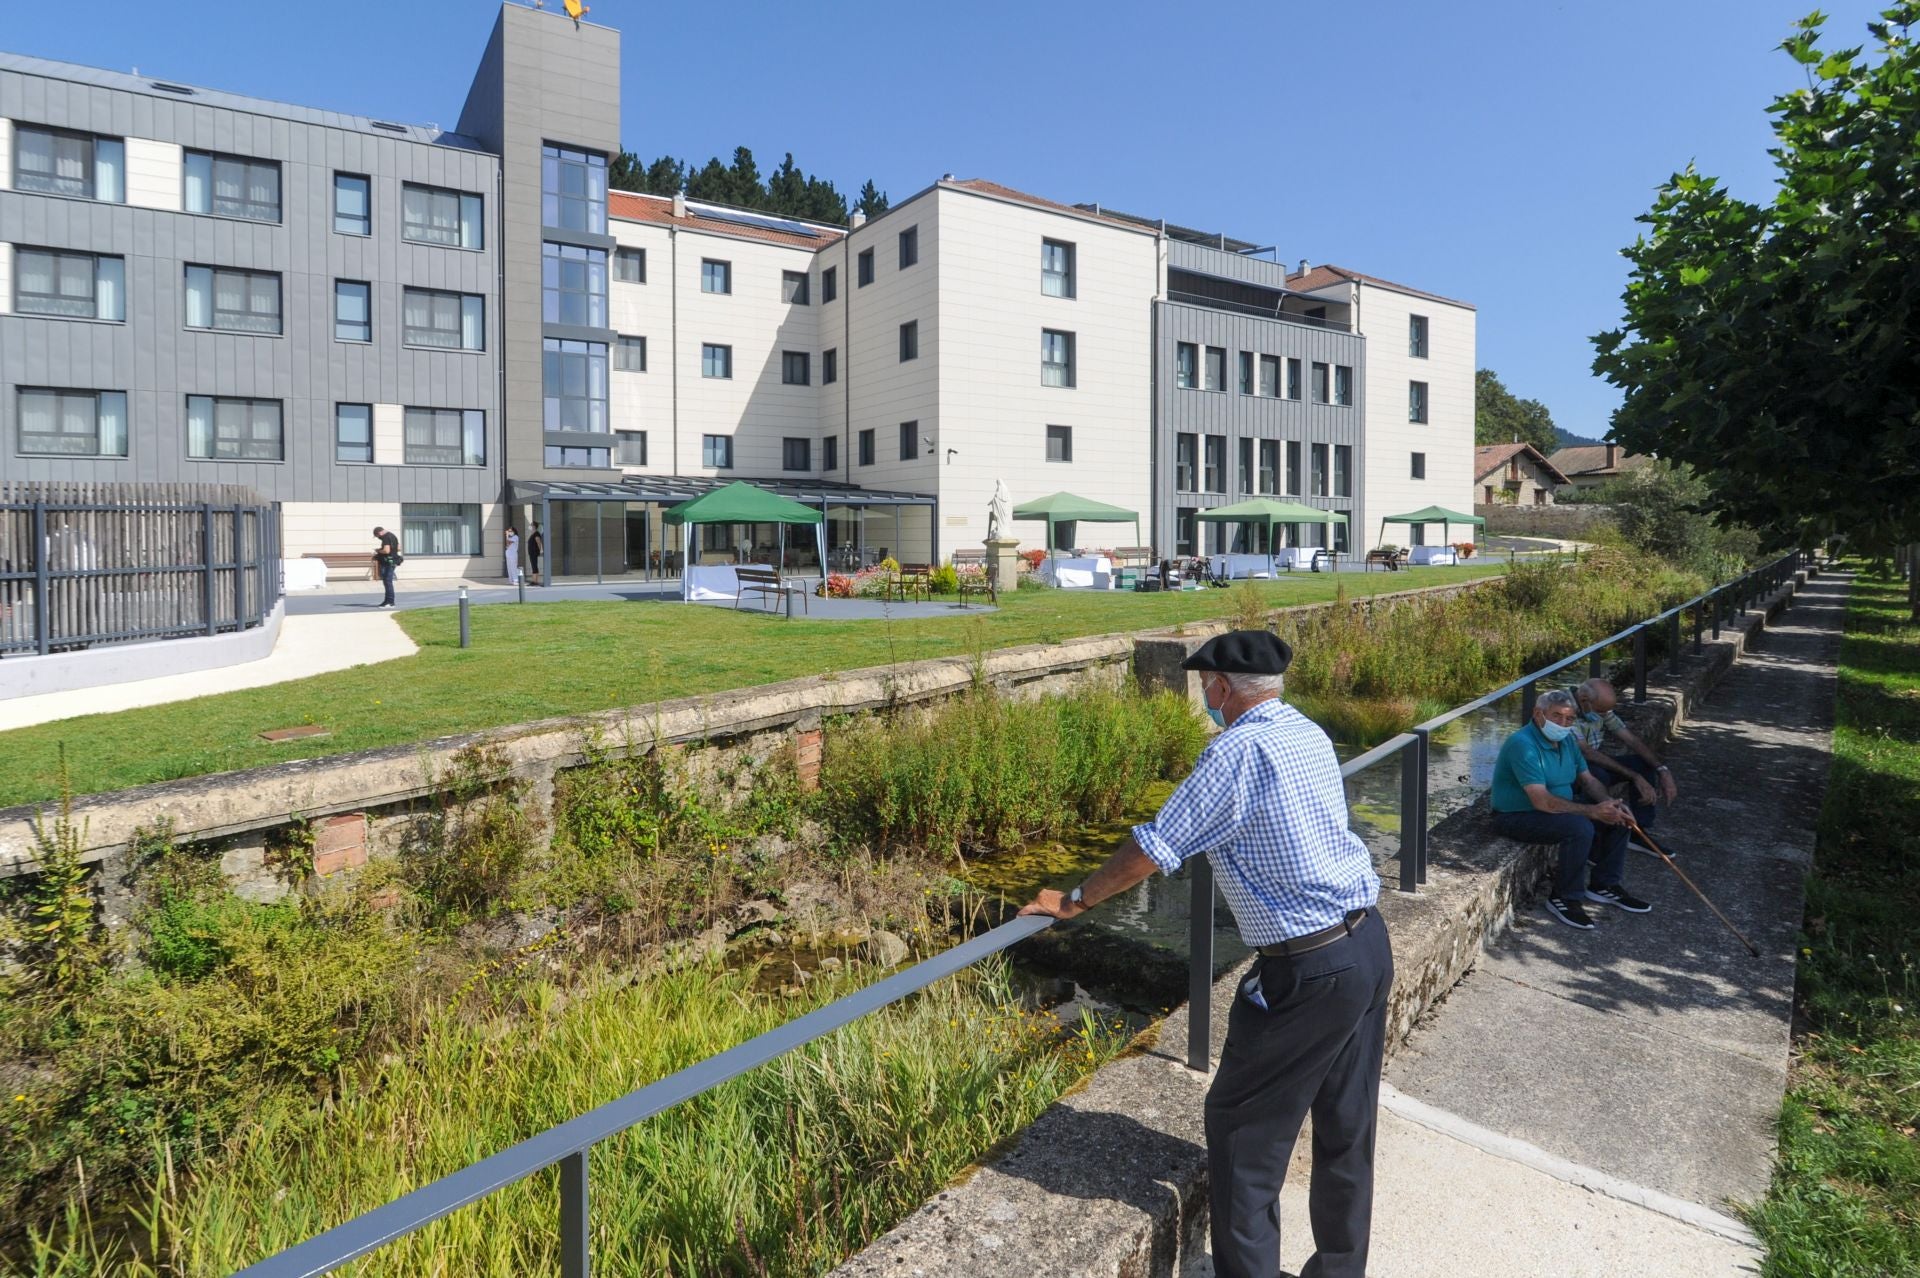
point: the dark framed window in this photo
(573, 382)
(716, 451)
(353, 433)
(1186, 462)
(353, 204)
(1322, 382)
(573, 285)
(560, 457)
(449, 321)
(1343, 385)
(1186, 365)
(796, 368)
(1343, 470)
(1056, 358)
(829, 367)
(1419, 466)
(909, 247)
(1216, 458)
(573, 189)
(1059, 443)
(1318, 454)
(230, 428)
(866, 267)
(234, 301)
(1215, 369)
(909, 440)
(1246, 466)
(1186, 531)
(69, 285)
(1268, 477)
(829, 284)
(71, 423)
(1342, 533)
(716, 361)
(1416, 401)
(1417, 336)
(439, 528)
(1270, 376)
(1056, 268)
(1246, 372)
(630, 354)
(716, 276)
(866, 447)
(796, 453)
(830, 453)
(909, 340)
(793, 288)
(444, 437)
(630, 265)
(1293, 379)
(352, 311)
(435, 215)
(231, 186)
(62, 162)
(632, 447)
(1293, 468)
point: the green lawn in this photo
(543, 660)
(1845, 1198)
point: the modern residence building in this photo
(447, 331)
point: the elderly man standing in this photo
(1641, 767)
(1534, 781)
(1265, 801)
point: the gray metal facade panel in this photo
(1227, 412)
(155, 358)
(1182, 256)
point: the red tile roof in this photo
(984, 187)
(1488, 458)
(631, 206)
(1591, 459)
(1321, 276)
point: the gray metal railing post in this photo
(1410, 816)
(1528, 697)
(466, 628)
(1673, 641)
(1200, 966)
(1596, 664)
(1640, 663)
(1422, 750)
(1719, 611)
(42, 583)
(206, 563)
(522, 580)
(575, 1244)
(1699, 624)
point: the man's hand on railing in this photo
(1048, 901)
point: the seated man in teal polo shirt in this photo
(1533, 802)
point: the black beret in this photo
(1242, 652)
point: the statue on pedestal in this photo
(1000, 512)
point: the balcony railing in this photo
(1259, 312)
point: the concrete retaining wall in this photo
(125, 662)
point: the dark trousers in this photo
(533, 561)
(1315, 1048)
(1582, 841)
(1644, 813)
(386, 580)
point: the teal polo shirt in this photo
(1528, 758)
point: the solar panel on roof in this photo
(164, 87)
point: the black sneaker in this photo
(1569, 912)
(1618, 896)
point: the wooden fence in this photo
(84, 564)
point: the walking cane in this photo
(1648, 840)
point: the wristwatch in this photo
(1077, 898)
(1661, 767)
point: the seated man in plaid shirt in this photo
(1266, 803)
(1652, 780)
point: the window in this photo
(1216, 367)
(439, 528)
(829, 284)
(1056, 268)
(445, 437)
(237, 301)
(1186, 462)
(1322, 379)
(1186, 529)
(1216, 475)
(73, 423)
(1416, 401)
(830, 453)
(1269, 474)
(1059, 443)
(1342, 543)
(1293, 379)
(70, 285)
(451, 321)
(1293, 468)
(866, 267)
(433, 215)
(1417, 336)
(562, 457)
(716, 276)
(1319, 455)
(573, 189)
(630, 265)
(796, 453)
(1270, 376)
(630, 354)
(796, 368)
(793, 287)
(1343, 385)
(829, 367)
(716, 361)
(58, 162)
(232, 186)
(352, 311)
(1419, 466)
(632, 447)
(716, 451)
(573, 285)
(352, 204)
(1246, 466)
(909, 247)
(222, 428)
(866, 448)
(353, 433)
(1343, 470)
(1056, 358)
(573, 381)
(909, 440)
(1246, 372)
(909, 340)
(1186, 365)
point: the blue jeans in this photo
(1582, 841)
(1644, 813)
(386, 580)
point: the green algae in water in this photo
(1015, 875)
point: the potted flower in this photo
(1464, 549)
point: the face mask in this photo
(1218, 716)
(1555, 732)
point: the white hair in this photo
(1558, 697)
(1253, 685)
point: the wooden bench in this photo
(765, 581)
(970, 558)
(1133, 557)
(357, 565)
(1391, 560)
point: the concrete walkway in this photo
(308, 645)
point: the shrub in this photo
(1034, 557)
(467, 854)
(838, 586)
(943, 580)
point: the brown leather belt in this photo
(1314, 940)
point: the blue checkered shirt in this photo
(1266, 802)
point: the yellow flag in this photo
(576, 10)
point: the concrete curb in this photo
(36, 676)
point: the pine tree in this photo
(872, 201)
(745, 174)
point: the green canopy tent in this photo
(1432, 515)
(1065, 508)
(741, 503)
(1266, 512)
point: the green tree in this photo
(1500, 417)
(745, 177)
(713, 182)
(1669, 511)
(872, 200)
(787, 189)
(1773, 346)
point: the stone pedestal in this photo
(1003, 565)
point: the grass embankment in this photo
(547, 660)
(1845, 1198)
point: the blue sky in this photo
(1494, 150)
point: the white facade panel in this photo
(1445, 439)
(644, 401)
(389, 437)
(6, 278)
(6, 154)
(154, 175)
(883, 390)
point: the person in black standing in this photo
(386, 556)
(536, 547)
